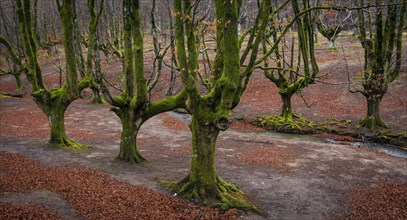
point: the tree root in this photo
(136, 159)
(69, 144)
(372, 123)
(221, 194)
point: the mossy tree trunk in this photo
(128, 145)
(211, 112)
(287, 108)
(56, 120)
(52, 102)
(383, 56)
(291, 74)
(132, 105)
(373, 118)
(202, 184)
(92, 56)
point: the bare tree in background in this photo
(381, 35)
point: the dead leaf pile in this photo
(385, 201)
(12, 211)
(174, 123)
(95, 195)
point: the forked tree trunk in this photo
(373, 118)
(128, 142)
(210, 114)
(383, 47)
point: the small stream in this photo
(397, 152)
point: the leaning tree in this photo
(52, 102)
(133, 105)
(381, 35)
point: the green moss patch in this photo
(295, 124)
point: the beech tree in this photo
(382, 39)
(133, 106)
(10, 39)
(290, 72)
(92, 56)
(17, 66)
(211, 110)
(53, 102)
(113, 29)
(331, 22)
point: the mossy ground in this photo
(295, 124)
(387, 136)
(300, 125)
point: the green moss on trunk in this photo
(92, 55)
(71, 76)
(373, 119)
(210, 113)
(97, 97)
(381, 66)
(203, 185)
(18, 81)
(58, 137)
(128, 142)
(287, 110)
(52, 103)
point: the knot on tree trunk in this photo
(222, 124)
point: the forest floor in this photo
(289, 176)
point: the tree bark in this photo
(93, 54)
(287, 111)
(128, 141)
(53, 103)
(56, 120)
(97, 97)
(56, 117)
(331, 44)
(203, 172)
(211, 112)
(202, 184)
(381, 66)
(373, 118)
